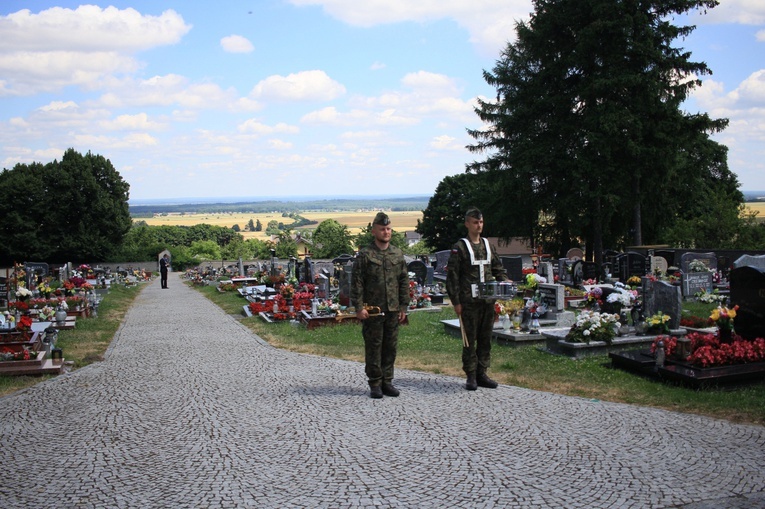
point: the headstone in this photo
(576, 272)
(565, 319)
(513, 266)
(241, 267)
(747, 291)
(545, 269)
(322, 287)
(694, 282)
(708, 259)
(590, 270)
(553, 296)
(664, 297)
(667, 255)
(344, 279)
(420, 271)
(429, 276)
(758, 262)
(631, 264)
(564, 273)
(574, 254)
(308, 271)
(442, 258)
(659, 265)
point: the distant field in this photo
(759, 207)
(355, 221)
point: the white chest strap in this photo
(481, 263)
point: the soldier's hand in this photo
(362, 314)
(458, 309)
(401, 316)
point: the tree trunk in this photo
(637, 224)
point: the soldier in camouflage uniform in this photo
(379, 278)
(472, 262)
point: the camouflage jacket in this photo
(379, 278)
(461, 273)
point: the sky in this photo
(303, 98)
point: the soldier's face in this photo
(474, 226)
(381, 233)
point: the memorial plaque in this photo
(694, 282)
(747, 291)
(553, 296)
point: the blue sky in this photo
(274, 98)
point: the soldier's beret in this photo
(382, 219)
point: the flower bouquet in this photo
(658, 323)
(723, 318)
(23, 293)
(593, 326)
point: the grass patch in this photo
(424, 346)
(88, 342)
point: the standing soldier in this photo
(472, 262)
(379, 279)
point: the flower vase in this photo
(505, 321)
(725, 334)
(61, 315)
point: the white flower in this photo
(23, 292)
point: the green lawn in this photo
(425, 346)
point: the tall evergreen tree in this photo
(587, 129)
(75, 209)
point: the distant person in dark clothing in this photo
(164, 266)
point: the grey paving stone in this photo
(189, 409)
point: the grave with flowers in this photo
(732, 351)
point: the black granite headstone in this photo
(747, 291)
(590, 270)
(308, 271)
(513, 266)
(420, 271)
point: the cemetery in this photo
(39, 301)
(633, 309)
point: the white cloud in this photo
(170, 89)
(301, 86)
(330, 116)
(744, 12)
(138, 122)
(236, 44)
(252, 126)
(89, 28)
(61, 47)
(279, 144)
(760, 36)
(445, 142)
(377, 66)
(490, 23)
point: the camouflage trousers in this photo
(380, 344)
(478, 321)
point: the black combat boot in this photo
(389, 390)
(375, 392)
(471, 383)
(484, 381)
